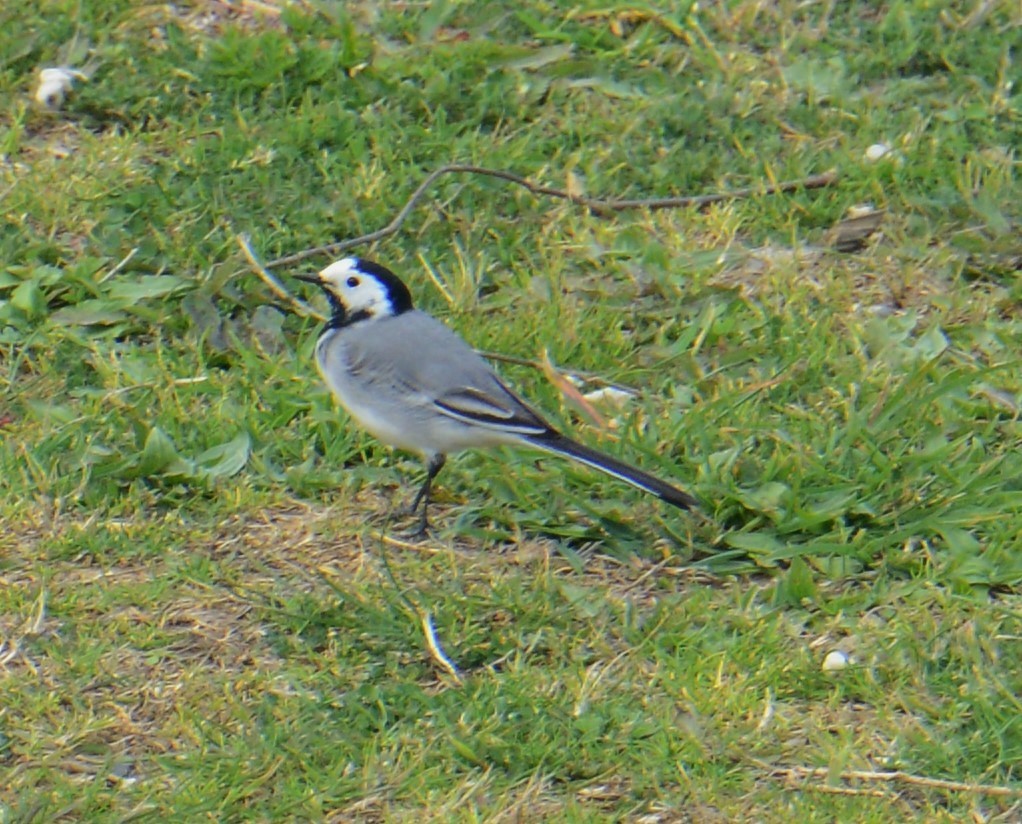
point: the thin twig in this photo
(412, 546)
(436, 650)
(590, 377)
(596, 205)
(826, 788)
(124, 262)
(895, 776)
(653, 570)
(300, 307)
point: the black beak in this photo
(309, 279)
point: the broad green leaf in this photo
(770, 498)
(824, 509)
(51, 413)
(959, 541)
(145, 288)
(882, 334)
(538, 58)
(588, 602)
(160, 457)
(29, 298)
(819, 79)
(931, 343)
(227, 459)
(88, 313)
(267, 325)
(797, 585)
(756, 543)
(835, 567)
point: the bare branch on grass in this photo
(893, 777)
(827, 788)
(599, 206)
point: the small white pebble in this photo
(610, 396)
(54, 84)
(860, 210)
(877, 151)
(835, 661)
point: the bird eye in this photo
(352, 282)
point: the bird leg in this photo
(433, 466)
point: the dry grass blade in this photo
(436, 651)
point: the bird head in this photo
(360, 290)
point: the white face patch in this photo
(358, 291)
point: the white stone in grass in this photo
(835, 661)
(609, 396)
(860, 210)
(54, 84)
(877, 151)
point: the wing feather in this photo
(416, 358)
(503, 411)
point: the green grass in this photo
(204, 610)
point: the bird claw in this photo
(423, 527)
(421, 532)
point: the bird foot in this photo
(422, 527)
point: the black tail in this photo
(560, 445)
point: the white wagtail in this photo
(413, 383)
